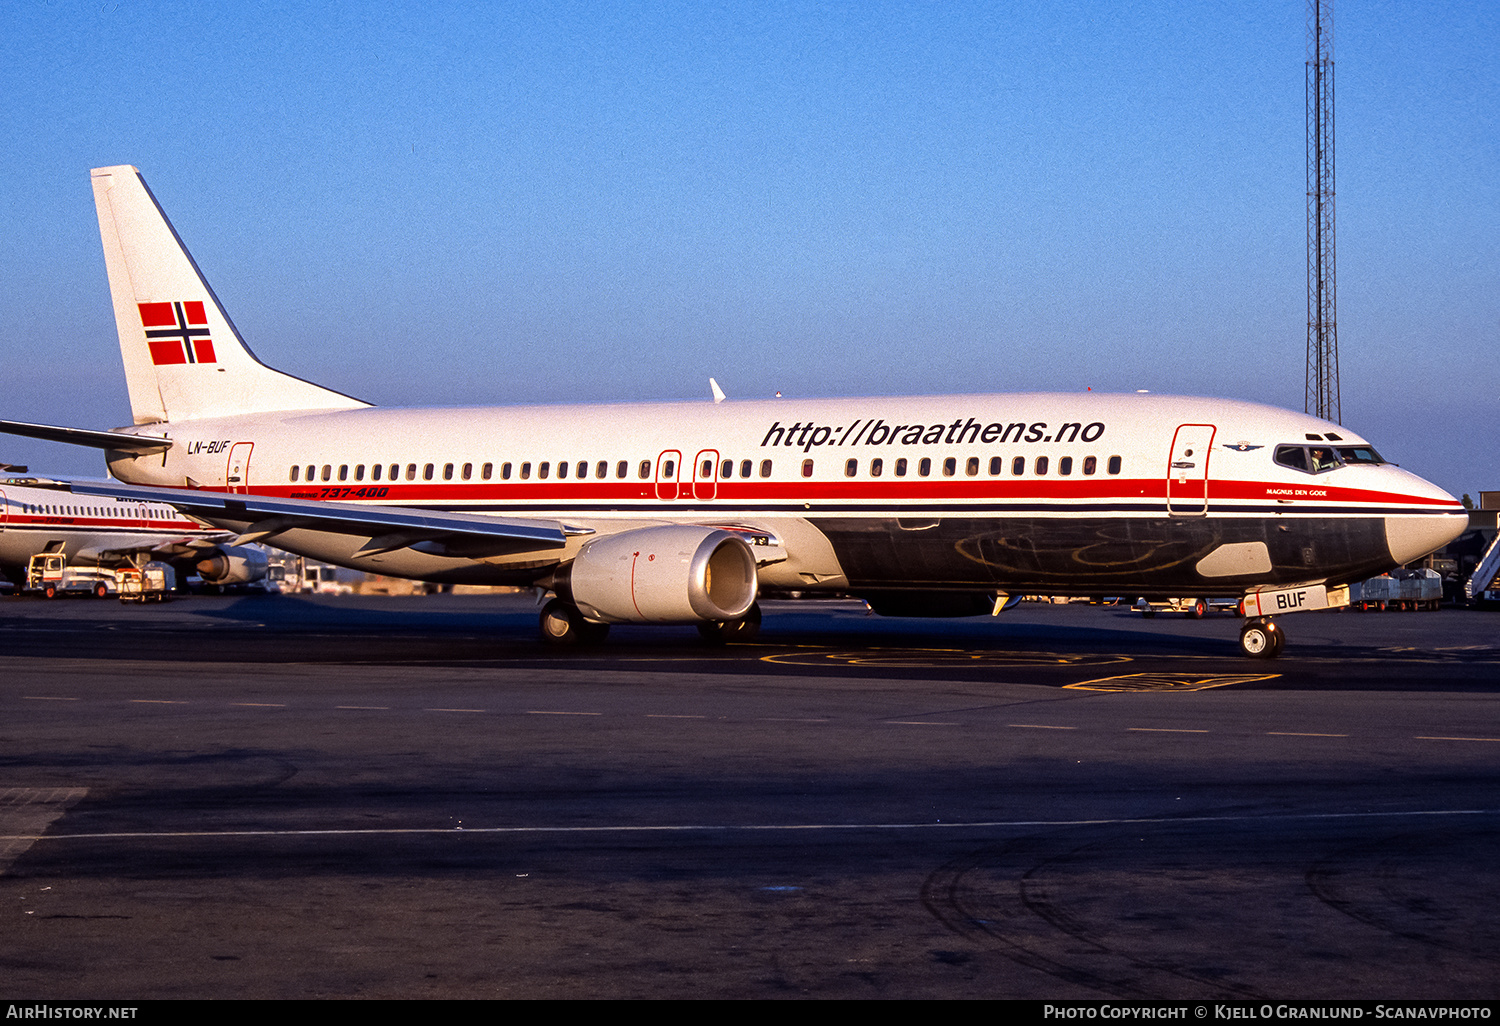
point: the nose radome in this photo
(1413, 537)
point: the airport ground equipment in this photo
(1193, 607)
(50, 574)
(151, 582)
(1478, 588)
(1402, 589)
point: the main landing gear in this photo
(563, 625)
(722, 632)
(1260, 638)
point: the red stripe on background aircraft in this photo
(686, 512)
(42, 516)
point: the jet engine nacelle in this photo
(235, 564)
(672, 574)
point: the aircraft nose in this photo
(1413, 537)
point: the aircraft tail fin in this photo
(184, 358)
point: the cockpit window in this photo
(1293, 456)
(1310, 459)
(1359, 454)
(1317, 459)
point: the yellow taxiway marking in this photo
(372, 708)
(453, 710)
(48, 698)
(1299, 733)
(924, 723)
(1426, 737)
(935, 658)
(156, 701)
(1166, 682)
(558, 712)
(1039, 726)
(674, 716)
(261, 705)
(1168, 730)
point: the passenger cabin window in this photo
(344, 472)
(1041, 466)
(1018, 466)
(1065, 466)
(807, 468)
(1114, 464)
(375, 472)
(745, 467)
(877, 466)
(1090, 464)
(644, 472)
(901, 467)
(851, 468)
(295, 472)
(543, 469)
(924, 466)
(765, 468)
(359, 472)
(447, 472)
(997, 466)
(971, 467)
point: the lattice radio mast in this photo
(1322, 322)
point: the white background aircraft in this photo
(685, 513)
(38, 515)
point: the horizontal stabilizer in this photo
(116, 440)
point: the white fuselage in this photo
(1018, 492)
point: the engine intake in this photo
(671, 574)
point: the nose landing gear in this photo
(1260, 638)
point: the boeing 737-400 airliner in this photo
(687, 512)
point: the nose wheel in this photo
(1260, 638)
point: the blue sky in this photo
(437, 204)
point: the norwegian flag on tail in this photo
(177, 333)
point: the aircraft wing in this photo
(387, 528)
(117, 440)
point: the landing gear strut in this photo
(720, 632)
(564, 626)
(1260, 638)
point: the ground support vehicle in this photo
(1193, 607)
(50, 574)
(150, 582)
